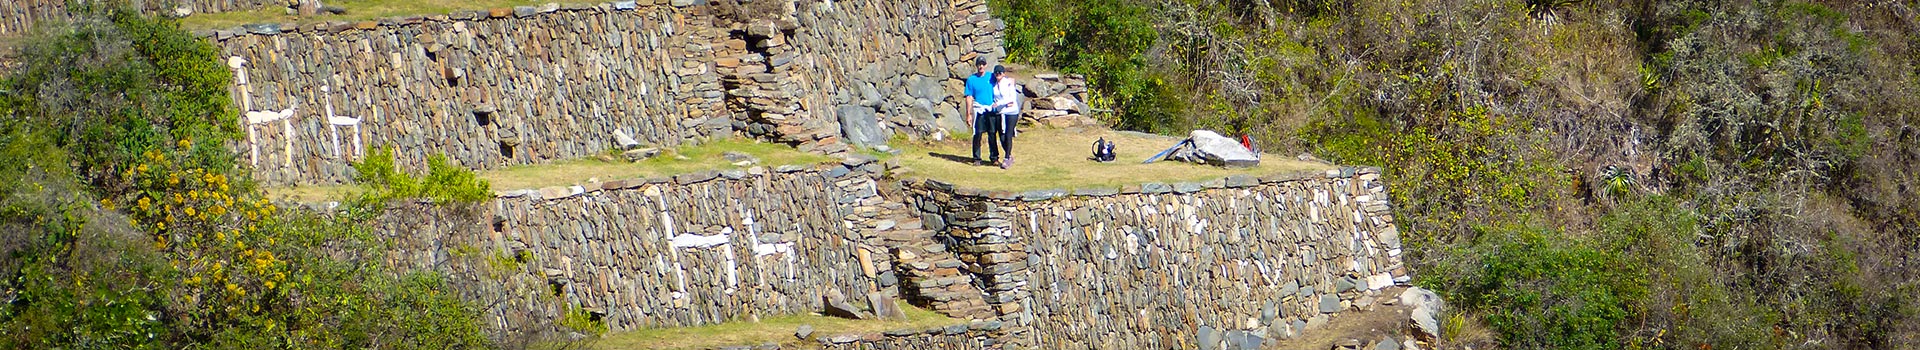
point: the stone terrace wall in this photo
(973, 335)
(1238, 260)
(887, 66)
(18, 16)
(487, 89)
(689, 250)
(535, 84)
(216, 6)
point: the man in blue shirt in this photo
(983, 121)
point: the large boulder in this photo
(1208, 339)
(1058, 102)
(1426, 310)
(803, 332)
(1040, 87)
(837, 306)
(625, 141)
(951, 117)
(928, 88)
(1222, 150)
(869, 96)
(912, 116)
(884, 306)
(860, 127)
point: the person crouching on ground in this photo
(1006, 102)
(983, 121)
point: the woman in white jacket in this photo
(1006, 101)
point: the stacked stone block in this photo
(934, 280)
(1057, 101)
(762, 82)
(857, 195)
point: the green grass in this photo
(1050, 158)
(706, 156)
(778, 329)
(1045, 158)
(357, 10)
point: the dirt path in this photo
(1366, 326)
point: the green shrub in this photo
(1687, 303)
(128, 224)
(443, 182)
(1542, 289)
(1104, 40)
(580, 320)
(1773, 142)
(73, 274)
(119, 85)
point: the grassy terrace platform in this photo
(706, 156)
(777, 329)
(1048, 158)
(357, 10)
(1044, 158)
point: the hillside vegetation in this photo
(125, 222)
(1598, 174)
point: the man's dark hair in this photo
(979, 61)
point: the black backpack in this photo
(1103, 150)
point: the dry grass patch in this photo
(778, 329)
(310, 194)
(707, 156)
(1050, 158)
(357, 10)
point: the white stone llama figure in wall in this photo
(252, 117)
(334, 122)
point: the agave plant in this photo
(1619, 179)
(1548, 8)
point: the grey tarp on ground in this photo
(1208, 147)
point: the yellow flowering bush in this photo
(128, 224)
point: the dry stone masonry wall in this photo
(533, 84)
(688, 250)
(886, 67)
(487, 89)
(1241, 260)
(973, 335)
(217, 6)
(19, 16)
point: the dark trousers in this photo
(1008, 127)
(987, 125)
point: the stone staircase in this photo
(934, 279)
(930, 276)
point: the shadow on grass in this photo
(954, 158)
